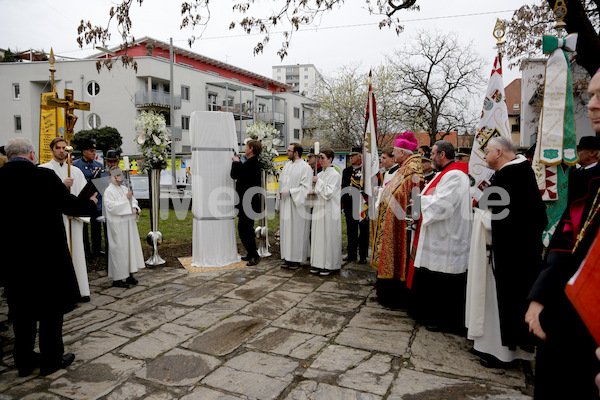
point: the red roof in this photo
(199, 62)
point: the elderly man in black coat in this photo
(40, 282)
(517, 225)
(247, 176)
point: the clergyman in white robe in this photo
(326, 232)
(124, 247)
(294, 211)
(442, 255)
(76, 226)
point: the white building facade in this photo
(303, 78)
(117, 96)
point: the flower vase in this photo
(262, 231)
(154, 237)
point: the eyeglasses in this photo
(587, 97)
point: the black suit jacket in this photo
(247, 175)
(36, 266)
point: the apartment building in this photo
(301, 77)
(118, 95)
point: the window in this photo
(296, 112)
(261, 108)
(166, 88)
(212, 102)
(296, 133)
(305, 76)
(17, 123)
(154, 86)
(515, 106)
(94, 121)
(185, 93)
(93, 88)
(16, 91)
(306, 68)
(278, 69)
(185, 122)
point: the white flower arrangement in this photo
(153, 139)
(268, 136)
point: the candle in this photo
(126, 165)
(317, 152)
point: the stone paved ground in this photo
(256, 333)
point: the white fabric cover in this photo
(482, 316)
(326, 231)
(214, 141)
(445, 235)
(124, 247)
(78, 253)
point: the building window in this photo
(261, 108)
(306, 68)
(278, 69)
(185, 122)
(93, 88)
(305, 76)
(185, 93)
(296, 112)
(16, 91)
(515, 106)
(212, 102)
(296, 133)
(17, 123)
(166, 88)
(94, 121)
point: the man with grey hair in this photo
(442, 241)
(40, 285)
(518, 218)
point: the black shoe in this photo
(84, 299)
(253, 261)
(121, 284)
(293, 266)
(246, 258)
(23, 372)
(433, 328)
(67, 359)
(348, 258)
(490, 361)
(131, 280)
(362, 261)
(314, 270)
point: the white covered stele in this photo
(214, 142)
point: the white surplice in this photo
(326, 231)
(482, 315)
(294, 210)
(124, 247)
(387, 178)
(445, 236)
(76, 226)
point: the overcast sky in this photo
(346, 36)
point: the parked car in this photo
(140, 185)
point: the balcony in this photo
(271, 117)
(156, 99)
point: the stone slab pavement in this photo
(256, 333)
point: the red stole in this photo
(464, 167)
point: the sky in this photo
(345, 36)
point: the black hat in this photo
(112, 155)
(463, 151)
(589, 142)
(356, 150)
(86, 144)
(2, 151)
(311, 152)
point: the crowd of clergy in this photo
(478, 269)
